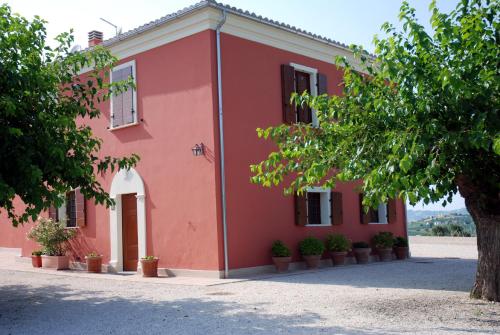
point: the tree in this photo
(420, 123)
(440, 230)
(44, 152)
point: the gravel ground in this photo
(423, 296)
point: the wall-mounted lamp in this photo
(198, 149)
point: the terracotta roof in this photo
(229, 9)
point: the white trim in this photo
(326, 208)
(126, 182)
(134, 95)
(313, 89)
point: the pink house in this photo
(207, 77)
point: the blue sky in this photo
(355, 21)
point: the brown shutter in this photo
(391, 211)
(117, 100)
(336, 210)
(301, 209)
(364, 217)
(53, 213)
(322, 84)
(79, 208)
(128, 96)
(287, 88)
(303, 83)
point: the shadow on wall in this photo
(59, 310)
(417, 273)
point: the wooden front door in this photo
(129, 232)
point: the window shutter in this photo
(364, 217)
(322, 84)
(336, 210)
(79, 208)
(287, 88)
(303, 83)
(117, 100)
(53, 213)
(301, 209)
(391, 211)
(128, 96)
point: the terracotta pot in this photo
(94, 264)
(149, 267)
(338, 257)
(401, 252)
(312, 261)
(385, 254)
(282, 263)
(36, 261)
(55, 262)
(362, 255)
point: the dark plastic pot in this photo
(401, 252)
(362, 255)
(385, 254)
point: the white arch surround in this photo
(126, 182)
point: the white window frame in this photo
(134, 96)
(325, 203)
(383, 213)
(62, 212)
(313, 90)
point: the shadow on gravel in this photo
(449, 274)
(58, 310)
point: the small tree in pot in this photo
(338, 246)
(383, 242)
(36, 259)
(52, 236)
(94, 262)
(281, 256)
(149, 266)
(401, 247)
(362, 252)
(311, 250)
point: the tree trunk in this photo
(485, 211)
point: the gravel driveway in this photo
(421, 296)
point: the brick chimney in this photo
(95, 38)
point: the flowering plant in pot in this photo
(383, 242)
(36, 259)
(149, 265)
(311, 250)
(401, 247)
(281, 256)
(94, 262)
(362, 252)
(338, 246)
(52, 236)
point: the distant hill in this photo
(440, 223)
(415, 215)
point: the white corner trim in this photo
(126, 182)
(134, 95)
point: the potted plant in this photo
(338, 246)
(383, 242)
(281, 256)
(401, 247)
(362, 252)
(94, 262)
(149, 265)
(311, 250)
(52, 236)
(36, 259)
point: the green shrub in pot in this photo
(279, 249)
(337, 243)
(383, 240)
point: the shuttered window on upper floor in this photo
(124, 104)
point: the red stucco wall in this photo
(252, 98)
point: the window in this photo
(124, 105)
(318, 207)
(299, 78)
(385, 213)
(72, 211)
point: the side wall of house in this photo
(175, 92)
(252, 99)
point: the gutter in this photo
(221, 142)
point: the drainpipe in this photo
(221, 142)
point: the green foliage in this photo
(279, 249)
(452, 229)
(384, 239)
(424, 226)
(51, 235)
(311, 246)
(422, 122)
(37, 253)
(360, 245)
(337, 243)
(44, 151)
(149, 258)
(440, 230)
(400, 242)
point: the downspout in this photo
(221, 142)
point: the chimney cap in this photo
(94, 34)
